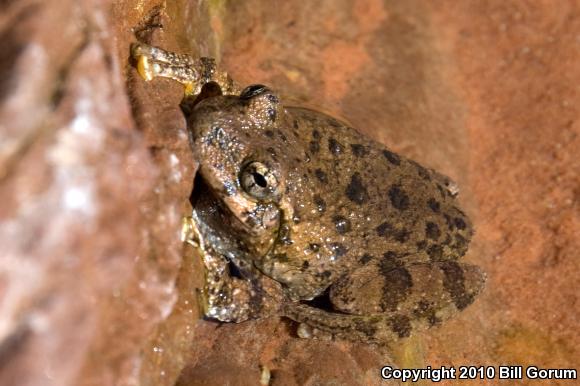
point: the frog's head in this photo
(240, 185)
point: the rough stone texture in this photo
(90, 209)
(95, 286)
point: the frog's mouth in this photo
(223, 231)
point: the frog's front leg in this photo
(192, 73)
(228, 298)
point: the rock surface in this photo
(95, 169)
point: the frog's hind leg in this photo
(193, 73)
(375, 305)
(318, 323)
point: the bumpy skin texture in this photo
(292, 205)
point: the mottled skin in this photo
(292, 205)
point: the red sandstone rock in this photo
(95, 286)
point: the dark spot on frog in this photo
(384, 229)
(434, 205)
(398, 197)
(315, 134)
(282, 136)
(460, 223)
(320, 175)
(401, 325)
(305, 265)
(397, 283)
(366, 327)
(326, 274)
(387, 230)
(392, 157)
(320, 203)
(334, 146)
(402, 235)
(364, 259)
(356, 191)
(341, 223)
(359, 150)
(314, 147)
(269, 133)
(454, 283)
(432, 231)
(389, 256)
(296, 125)
(338, 250)
(273, 98)
(421, 245)
(435, 252)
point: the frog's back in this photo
(374, 202)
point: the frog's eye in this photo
(253, 90)
(258, 180)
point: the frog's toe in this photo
(306, 331)
(145, 68)
(141, 53)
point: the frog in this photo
(297, 214)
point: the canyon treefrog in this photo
(298, 214)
